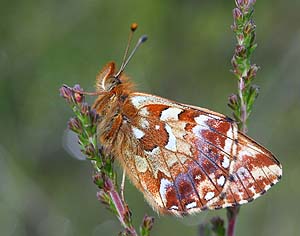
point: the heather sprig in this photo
(84, 124)
(244, 30)
(242, 102)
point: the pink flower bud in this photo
(237, 14)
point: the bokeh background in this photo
(45, 189)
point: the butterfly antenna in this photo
(125, 61)
(133, 28)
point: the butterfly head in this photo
(108, 79)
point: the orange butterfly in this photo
(183, 158)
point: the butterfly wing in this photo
(188, 159)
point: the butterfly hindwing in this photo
(187, 159)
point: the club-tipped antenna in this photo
(133, 28)
(125, 61)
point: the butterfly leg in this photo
(123, 186)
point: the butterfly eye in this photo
(110, 83)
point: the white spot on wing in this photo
(174, 208)
(170, 114)
(267, 187)
(164, 184)
(276, 169)
(209, 196)
(221, 180)
(225, 162)
(198, 129)
(171, 145)
(201, 120)
(137, 101)
(157, 127)
(137, 132)
(228, 141)
(191, 205)
(198, 177)
(257, 173)
(243, 202)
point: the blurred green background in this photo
(47, 190)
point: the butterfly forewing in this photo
(186, 159)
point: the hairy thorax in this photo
(115, 111)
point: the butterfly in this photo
(183, 158)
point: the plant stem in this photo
(122, 211)
(242, 102)
(232, 213)
(243, 109)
